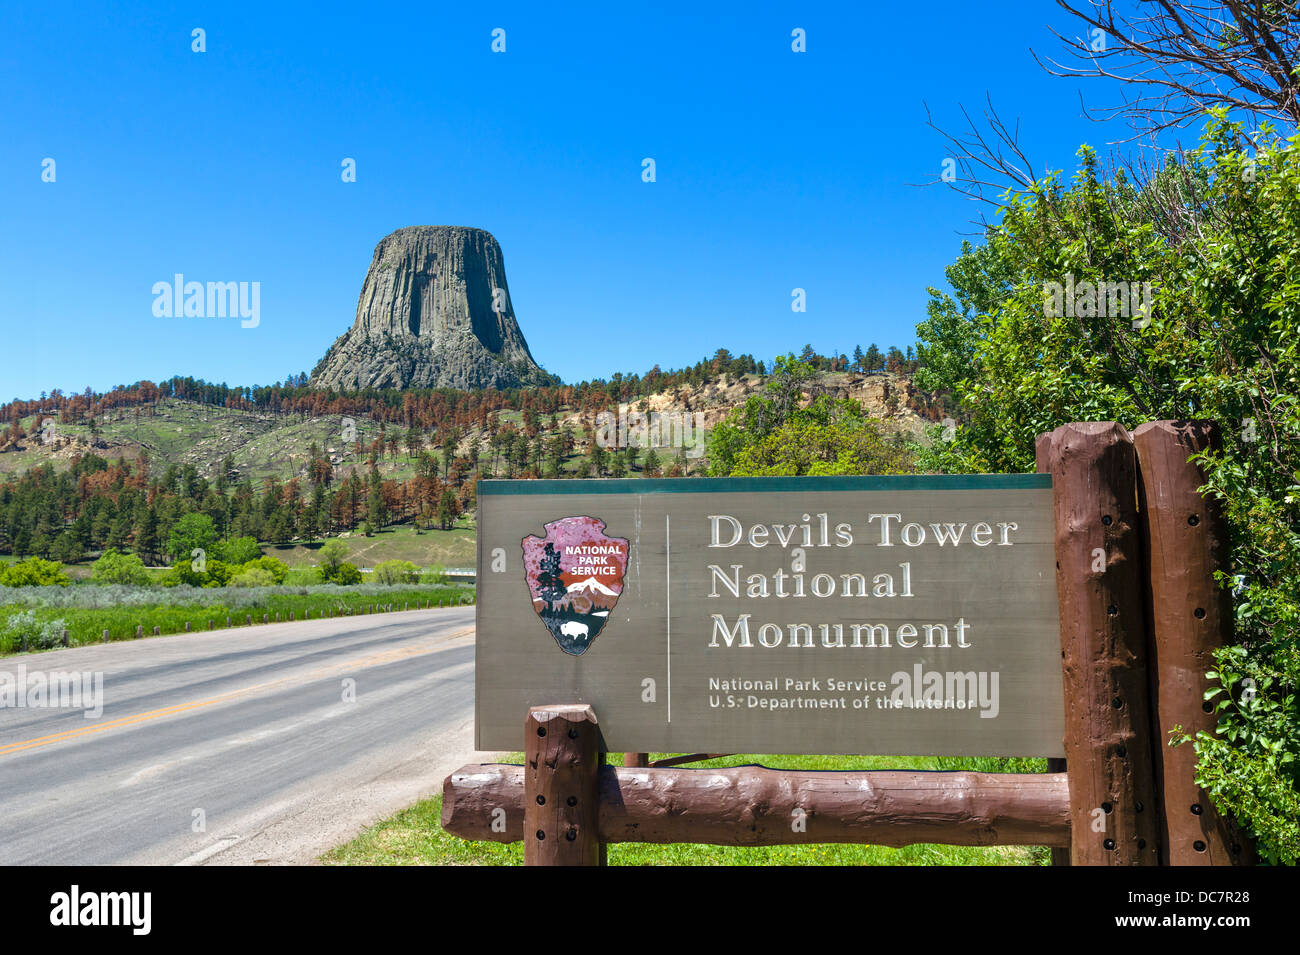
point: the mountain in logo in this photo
(591, 593)
(575, 577)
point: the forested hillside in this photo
(287, 463)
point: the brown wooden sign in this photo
(882, 615)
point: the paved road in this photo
(249, 726)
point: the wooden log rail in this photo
(756, 806)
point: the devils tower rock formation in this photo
(434, 312)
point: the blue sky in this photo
(775, 170)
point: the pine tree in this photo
(146, 535)
(549, 582)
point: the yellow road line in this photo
(376, 659)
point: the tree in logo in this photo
(550, 586)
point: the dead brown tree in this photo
(1184, 58)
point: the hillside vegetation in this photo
(290, 467)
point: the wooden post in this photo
(156, 631)
(636, 760)
(104, 638)
(561, 788)
(1042, 459)
(1190, 615)
(139, 631)
(1113, 808)
(66, 643)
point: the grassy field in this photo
(453, 548)
(415, 837)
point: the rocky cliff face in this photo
(434, 312)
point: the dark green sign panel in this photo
(876, 615)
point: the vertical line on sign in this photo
(668, 605)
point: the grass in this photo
(453, 548)
(414, 836)
(87, 624)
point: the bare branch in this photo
(1187, 57)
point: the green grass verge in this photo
(86, 625)
(414, 836)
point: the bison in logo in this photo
(575, 575)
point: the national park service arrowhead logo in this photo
(575, 575)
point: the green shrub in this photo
(1216, 234)
(34, 572)
(330, 557)
(346, 575)
(253, 576)
(390, 572)
(274, 566)
(238, 550)
(207, 572)
(116, 568)
(192, 532)
(40, 634)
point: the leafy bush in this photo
(347, 575)
(392, 572)
(329, 558)
(276, 568)
(252, 576)
(41, 635)
(116, 568)
(34, 572)
(208, 572)
(1216, 233)
(238, 550)
(1244, 763)
(192, 532)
